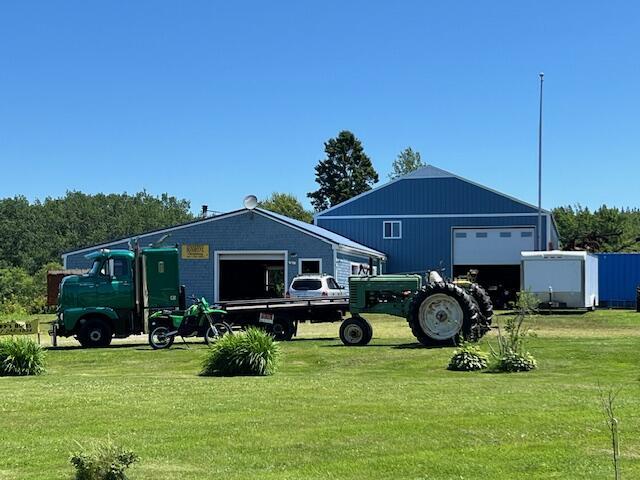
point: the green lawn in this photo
(389, 410)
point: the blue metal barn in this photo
(431, 217)
(247, 253)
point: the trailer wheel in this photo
(356, 331)
(440, 313)
(95, 333)
(283, 330)
(483, 300)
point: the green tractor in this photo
(438, 312)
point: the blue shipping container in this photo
(618, 278)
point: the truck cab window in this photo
(120, 268)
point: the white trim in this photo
(300, 260)
(384, 233)
(216, 266)
(354, 251)
(434, 215)
(408, 177)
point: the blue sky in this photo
(211, 101)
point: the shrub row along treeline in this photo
(34, 234)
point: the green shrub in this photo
(21, 356)
(468, 358)
(103, 461)
(252, 352)
(512, 361)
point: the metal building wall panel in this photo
(426, 243)
(618, 278)
(430, 196)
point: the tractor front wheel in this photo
(356, 331)
(441, 313)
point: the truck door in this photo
(115, 288)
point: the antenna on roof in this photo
(250, 202)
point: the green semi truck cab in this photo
(115, 297)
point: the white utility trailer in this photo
(566, 279)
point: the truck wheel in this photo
(440, 313)
(159, 339)
(283, 330)
(221, 328)
(356, 331)
(95, 333)
(483, 300)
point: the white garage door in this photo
(491, 246)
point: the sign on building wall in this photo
(195, 251)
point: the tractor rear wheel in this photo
(441, 313)
(484, 302)
(356, 331)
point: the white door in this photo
(491, 246)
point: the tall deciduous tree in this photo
(288, 205)
(407, 161)
(345, 172)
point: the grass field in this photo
(389, 410)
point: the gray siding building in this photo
(250, 254)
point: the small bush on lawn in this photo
(511, 354)
(103, 461)
(20, 356)
(468, 358)
(512, 361)
(252, 352)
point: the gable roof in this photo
(428, 171)
(322, 232)
(314, 230)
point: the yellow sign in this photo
(15, 328)
(195, 251)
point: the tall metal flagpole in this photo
(540, 168)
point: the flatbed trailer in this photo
(282, 315)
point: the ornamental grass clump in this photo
(252, 352)
(511, 354)
(468, 358)
(103, 461)
(21, 356)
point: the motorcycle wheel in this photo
(221, 329)
(159, 339)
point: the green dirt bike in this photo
(200, 319)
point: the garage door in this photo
(250, 275)
(491, 246)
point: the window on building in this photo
(310, 266)
(505, 234)
(526, 234)
(481, 234)
(392, 229)
(461, 234)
